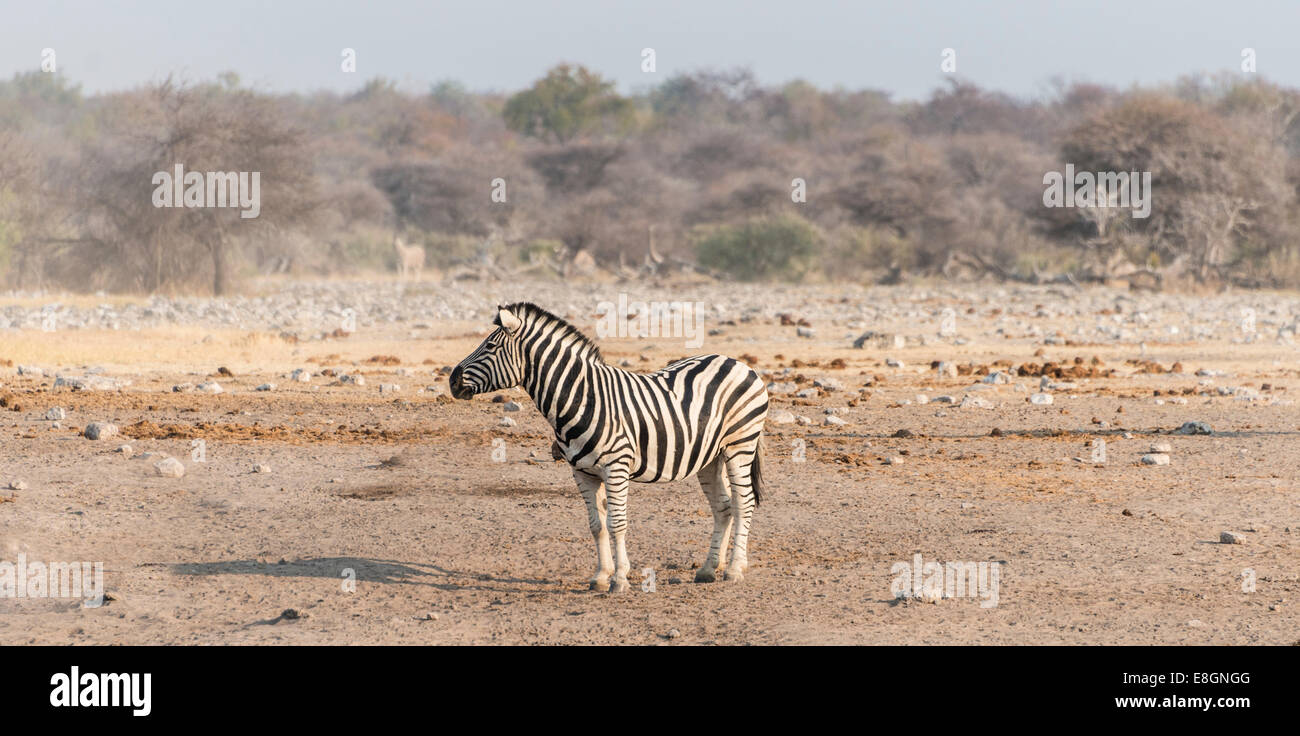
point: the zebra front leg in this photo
(593, 493)
(616, 481)
(713, 479)
(742, 508)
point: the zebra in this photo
(702, 415)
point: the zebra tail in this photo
(756, 473)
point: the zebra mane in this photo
(565, 328)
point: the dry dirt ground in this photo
(402, 493)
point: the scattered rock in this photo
(169, 468)
(389, 388)
(210, 387)
(18, 485)
(126, 450)
(1230, 538)
(506, 422)
(1155, 459)
(834, 421)
(261, 468)
(1194, 428)
(99, 430)
(301, 375)
(511, 406)
(1041, 399)
(781, 416)
(265, 387)
(56, 414)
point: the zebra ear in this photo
(508, 321)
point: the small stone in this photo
(1194, 428)
(301, 375)
(506, 422)
(803, 421)
(169, 468)
(210, 387)
(126, 450)
(1230, 538)
(806, 332)
(997, 377)
(922, 399)
(1155, 459)
(895, 460)
(783, 387)
(974, 402)
(261, 468)
(673, 633)
(1041, 399)
(834, 421)
(829, 384)
(181, 388)
(99, 430)
(808, 393)
(511, 406)
(781, 416)
(56, 414)
(1162, 447)
(18, 485)
(389, 388)
(30, 370)
(265, 387)
(893, 363)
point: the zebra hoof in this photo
(705, 575)
(733, 576)
(618, 585)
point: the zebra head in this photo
(497, 363)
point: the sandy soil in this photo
(448, 546)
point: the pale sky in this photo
(1015, 46)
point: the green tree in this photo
(782, 247)
(568, 102)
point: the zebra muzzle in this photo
(458, 388)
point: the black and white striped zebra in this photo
(702, 415)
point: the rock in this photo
(996, 377)
(974, 402)
(1230, 538)
(1155, 459)
(301, 375)
(126, 450)
(1194, 428)
(99, 430)
(1162, 448)
(895, 460)
(892, 363)
(389, 388)
(18, 485)
(805, 332)
(781, 416)
(834, 421)
(922, 399)
(803, 421)
(56, 414)
(511, 406)
(945, 399)
(947, 370)
(265, 387)
(181, 388)
(506, 422)
(90, 383)
(169, 468)
(829, 384)
(808, 393)
(210, 387)
(673, 634)
(30, 370)
(355, 380)
(261, 468)
(1041, 399)
(782, 388)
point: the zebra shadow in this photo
(364, 570)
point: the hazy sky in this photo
(1012, 45)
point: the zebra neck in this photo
(563, 386)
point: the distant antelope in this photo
(409, 258)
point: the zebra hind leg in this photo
(713, 479)
(740, 461)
